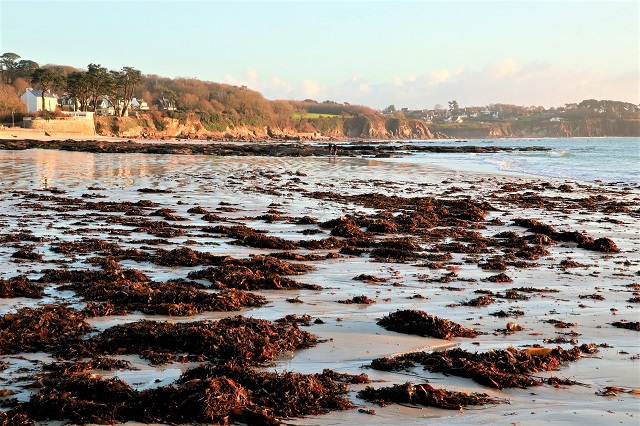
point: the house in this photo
(103, 106)
(33, 99)
(555, 119)
(165, 104)
(139, 105)
(68, 103)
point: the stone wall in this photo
(67, 126)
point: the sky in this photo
(412, 54)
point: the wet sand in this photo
(591, 289)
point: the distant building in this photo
(33, 99)
(68, 103)
(103, 106)
(165, 104)
(139, 105)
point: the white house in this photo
(33, 99)
(141, 105)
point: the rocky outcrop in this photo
(370, 126)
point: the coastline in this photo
(323, 188)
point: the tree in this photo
(100, 83)
(124, 87)
(8, 65)
(188, 102)
(78, 87)
(46, 79)
(20, 84)
(24, 69)
(389, 110)
(9, 101)
(453, 107)
(12, 69)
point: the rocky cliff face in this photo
(361, 127)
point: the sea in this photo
(583, 159)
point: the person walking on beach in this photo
(333, 148)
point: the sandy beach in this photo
(556, 262)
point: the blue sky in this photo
(408, 53)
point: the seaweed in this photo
(421, 323)
(20, 286)
(495, 369)
(233, 339)
(426, 395)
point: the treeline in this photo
(218, 105)
(87, 87)
(222, 105)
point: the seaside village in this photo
(70, 107)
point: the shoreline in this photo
(273, 194)
(394, 151)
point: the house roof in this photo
(38, 93)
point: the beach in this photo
(525, 261)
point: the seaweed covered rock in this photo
(421, 323)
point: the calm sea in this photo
(584, 159)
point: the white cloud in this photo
(506, 81)
(251, 75)
(505, 68)
(310, 89)
(437, 77)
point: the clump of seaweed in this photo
(20, 286)
(81, 399)
(426, 395)
(369, 279)
(629, 325)
(13, 418)
(41, 329)
(233, 339)
(421, 323)
(361, 300)
(496, 368)
(256, 273)
(184, 256)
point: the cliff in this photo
(366, 126)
